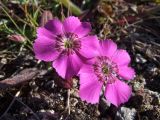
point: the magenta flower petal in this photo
(61, 64)
(121, 57)
(55, 26)
(71, 23)
(83, 29)
(89, 46)
(117, 92)
(108, 47)
(43, 32)
(66, 45)
(90, 88)
(44, 49)
(126, 72)
(76, 64)
(67, 66)
(85, 69)
(103, 69)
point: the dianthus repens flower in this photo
(65, 43)
(107, 70)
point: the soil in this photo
(41, 97)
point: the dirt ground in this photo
(32, 89)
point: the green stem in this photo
(12, 20)
(71, 6)
(17, 26)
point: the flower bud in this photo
(16, 38)
(46, 16)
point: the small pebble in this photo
(125, 113)
(140, 59)
(73, 101)
(75, 93)
(4, 61)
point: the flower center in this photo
(105, 69)
(67, 43)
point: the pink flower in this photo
(65, 43)
(107, 71)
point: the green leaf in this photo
(71, 6)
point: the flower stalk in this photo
(71, 6)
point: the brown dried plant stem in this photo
(10, 105)
(68, 102)
(24, 76)
(34, 114)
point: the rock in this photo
(138, 86)
(1, 76)
(47, 115)
(50, 84)
(134, 8)
(140, 59)
(79, 111)
(126, 114)
(73, 102)
(153, 93)
(60, 107)
(3, 61)
(152, 69)
(74, 93)
(50, 111)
